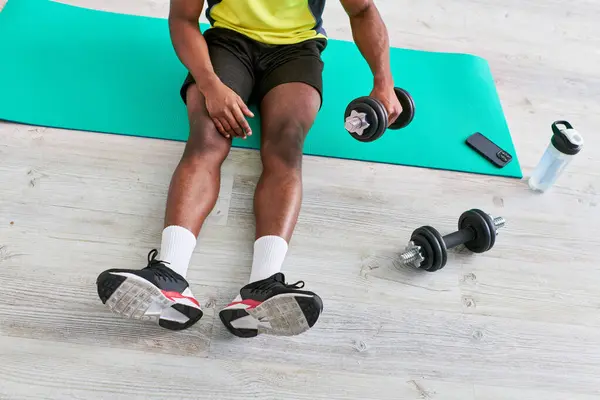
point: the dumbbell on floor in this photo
(427, 248)
(366, 118)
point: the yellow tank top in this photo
(269, 21)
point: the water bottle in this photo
(566, 142)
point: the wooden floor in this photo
(520, 322)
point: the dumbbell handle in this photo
(459, 237)
(467, 234)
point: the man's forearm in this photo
(192, 50)
(371, 37)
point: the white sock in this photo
(269, 253)
(177, 247)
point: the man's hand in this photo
(387, 96)
(227, 110)
(225, 107)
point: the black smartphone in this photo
(488, 149)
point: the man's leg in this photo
(195, 184)
(289, 106)
(288, 112)
(160, 291)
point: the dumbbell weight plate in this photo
(382, 115)
(423, 243)
(376, 116)
(443, 252)
(408, 109)
(490, 223)
(435, 242)
(483, 225)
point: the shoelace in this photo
(268, 285)
(158, 265)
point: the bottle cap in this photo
(566, 139)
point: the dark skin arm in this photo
(188, 41)
(371, 37)
(225, 107)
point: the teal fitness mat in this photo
(69, 67)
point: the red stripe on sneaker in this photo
(177, 295)
(249, 302)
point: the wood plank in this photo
(117, 177)
(509, 393)
(439, 345)
(62, 372)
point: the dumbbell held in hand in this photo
(366, 118)
(428, 248)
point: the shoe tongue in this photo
(279, 277)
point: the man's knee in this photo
(283, 146)
(205, 143)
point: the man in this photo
(267, 52)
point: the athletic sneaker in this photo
(273, 307)
(154, 293)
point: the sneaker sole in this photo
(283, 315)
(130, 296)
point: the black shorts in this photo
(251, 68)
